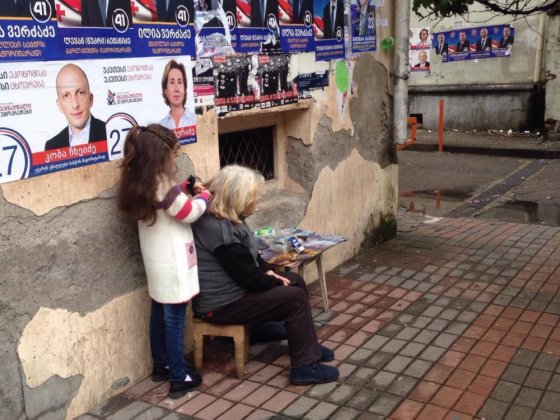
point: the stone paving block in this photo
(362, 376)
(359, 356)
(342, 394)
(493, 409)
(554, 384)
(421, 321)
(402, 385)
(382, 380)
(398, 364)
(438, 325)
(457, 328)
(550, 402)
(467, 316)
(425, 337)
(418, 368)
(376, 342)
(525, 357)
(505, 391)
(390, 330)
(385, 404)
(528, 397)
(393, 346)
(321, 411)
(544, 415)
(130, 411)
(432, 311)
(176, 416)
(517, 412)
(410, 284)
(395, 281)
(300, 407)
(423, 287)
(345, 370)
(537, 379)
(432, 353)
(407, 333)
(412, 349)
(449, 314)
(444, 340)
(321, 391)
(86, 417)
(515, 373)
(114, 405)
(363, 399)
(346, 413)
(379, 359)
(477, 307)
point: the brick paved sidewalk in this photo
(455, 318)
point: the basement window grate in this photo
(251, 148)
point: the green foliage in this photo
(446, 8)
(442, 8)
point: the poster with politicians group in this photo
(473, 43)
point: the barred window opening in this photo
(251, 148)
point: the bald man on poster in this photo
(74, 100)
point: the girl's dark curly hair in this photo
(148, 155)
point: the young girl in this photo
(164, 212)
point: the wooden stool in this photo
(239, 333)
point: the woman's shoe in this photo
(315, 373)
(327, 355)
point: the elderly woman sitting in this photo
(238, 287)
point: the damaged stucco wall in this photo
(75, 308)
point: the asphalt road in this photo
(505, 188)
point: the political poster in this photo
(60, 115)
(216, 27)
(329, 29)
(363, 36)
(419, 60)
(296, 25)
(28, 31)
(163, 27)
(257, 22)
(420, 39)
(474, 43)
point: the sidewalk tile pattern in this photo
(453, 319)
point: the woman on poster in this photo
(174, 92)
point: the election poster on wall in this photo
(362, 18)
(59, 115)
(329, 29)
(296, 25)
(419, 49)
(473, 43)
(245, 81)
(257, 26)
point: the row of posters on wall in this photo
(78, 74)
(459, 44)
(85, 29)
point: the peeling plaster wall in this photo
(74, 308)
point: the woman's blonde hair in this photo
(233, 189)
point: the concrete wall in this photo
(492, 93)
(552, 103)
(74, 307)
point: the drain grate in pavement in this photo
(480, 201)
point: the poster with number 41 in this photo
(60, 115)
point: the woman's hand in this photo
(199, 187)
(279, 277)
